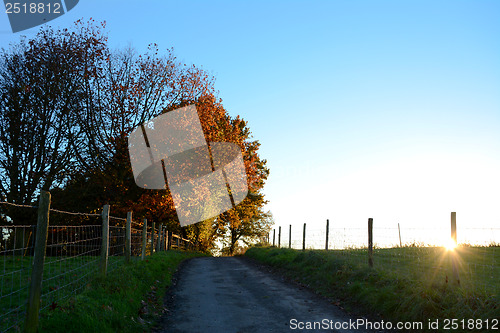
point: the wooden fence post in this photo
(304, 238)
(399, 231)
(128, 236)
(158, 242)
(279, 237)
(454, 262)
(144, 238)
(105, 239)
(162, 246)
(165, 238)
(290, 237)
(169, 245)
(274, 237)
(152, 237)
(31, 324)
(370, 242)
(327, 229)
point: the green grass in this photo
(129, 299)
(62, 278)
(405, 284)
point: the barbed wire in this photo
(17, 205)
(117, 218)
(68, 213)
(72, 213)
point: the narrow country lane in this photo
(231, 295)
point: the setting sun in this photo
(450, 245)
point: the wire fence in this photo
(72, 255)
(72, 258)
(136, 242)
(116, 245)
(423, 255)
(16, 254)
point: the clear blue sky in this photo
(383, 109)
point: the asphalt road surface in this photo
(233, 295)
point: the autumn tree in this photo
(42, 86)
(247, 221)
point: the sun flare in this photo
(450, 244)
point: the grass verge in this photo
(397, 291)
(128, 299)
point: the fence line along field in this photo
(394, 290)
(72, 255)
(473, 268)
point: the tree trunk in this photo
(234, 241)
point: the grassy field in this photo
(129, 299)
(63, 279)
(405, 284)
